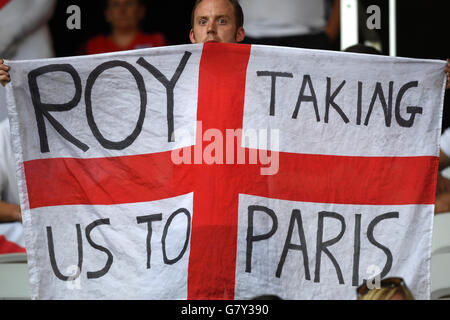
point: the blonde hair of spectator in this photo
(397, 292)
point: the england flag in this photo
(225, 171)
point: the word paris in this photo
(388, 95)
(299, 229)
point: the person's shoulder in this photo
(97, 44)
(96, 39)
(154, 38)
(152, 35)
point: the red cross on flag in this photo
(3, 3)
(225, 171)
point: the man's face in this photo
(124, 14)
(215, 21)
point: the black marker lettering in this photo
(252, 238)
(411, 110)
(274, 76)
(330, 101)
(51, 252)
(359, 104)
(120, 145)
(387, 252)
(102, 272)
(302, 97)
(295, 216)
(169, 85)
(322, 246)
(149, 219)
(387, 108)
(43, 109)
(356, 250)
(166, 229)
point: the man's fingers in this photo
(4, 77)
(4, 67)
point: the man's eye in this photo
(222, 21)
(202, 22)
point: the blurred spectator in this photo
(292, 23)
(9, 197)
(24, 33)
(389, 289)
(442, 203)
(124, 18)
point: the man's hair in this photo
(239, 15)
(361, 48)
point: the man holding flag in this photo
(212, 21)
(246, 226)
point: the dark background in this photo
(422, 27)
(170, 17)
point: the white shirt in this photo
(24, 34)
(13, 231)
(274, 18)
(8, 180)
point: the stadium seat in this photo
(440, 257)
(14, 280)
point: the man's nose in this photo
(211, 27)
(122, 8)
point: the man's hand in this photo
(4, 74)
(442, 203)
(9, 212)
(16, 213)
(442, 185)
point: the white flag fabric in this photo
(225, 171)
